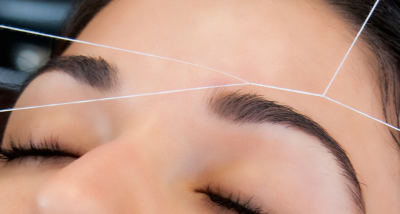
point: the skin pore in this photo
(152, 154)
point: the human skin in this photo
(148, 154)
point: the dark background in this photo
(23, 53)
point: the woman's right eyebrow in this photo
(245, 108)
(93, 71)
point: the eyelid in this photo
(230, 202)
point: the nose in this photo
(109, 179)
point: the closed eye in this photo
(230, 203)
(44, 150)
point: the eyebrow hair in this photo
(252, 108)
(93, 71)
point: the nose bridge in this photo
(111, 178)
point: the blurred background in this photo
(22, 53)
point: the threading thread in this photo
(362, 113)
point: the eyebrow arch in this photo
(92, 71)
(242, 108)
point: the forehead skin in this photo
(294, 44)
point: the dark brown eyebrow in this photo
(93, 71)
(242, 108)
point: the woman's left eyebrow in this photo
(93, 71)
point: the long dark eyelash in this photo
(45, 149)
(230, 202)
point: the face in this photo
(184, 138)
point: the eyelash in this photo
(44, 149)
(230, 203)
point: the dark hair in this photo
(382, 34)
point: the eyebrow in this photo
(242, 108)
(92, 71)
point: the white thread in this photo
(212, 69)
(114, 48)
(123, 97)
(360, 112)
(351, 47)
